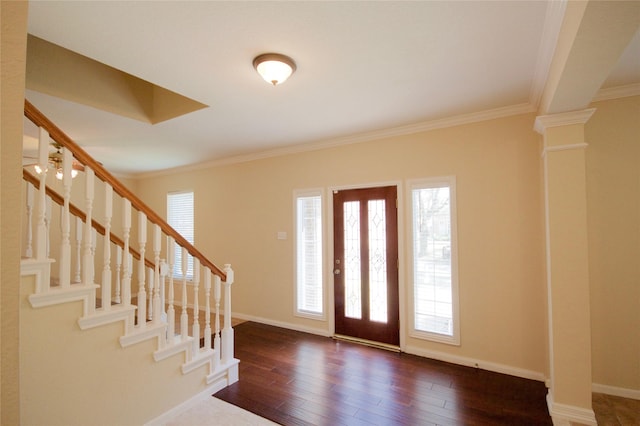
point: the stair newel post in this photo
(41, 229)
(184, 318)
(126, 268)
(142, 295)
(106, 271)
(227, 331)
(171, 315)
(65, 245)
(118, 270)
(28, 253)
(77, 277)
(157, 308)
(216, 338)
(196, 307)
(207, 311)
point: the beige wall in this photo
(13, 52)
(84, 377)
(613, 194)
(241, 207)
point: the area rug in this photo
(212, 411)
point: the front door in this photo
(365, 223)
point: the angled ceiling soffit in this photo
(59, 72)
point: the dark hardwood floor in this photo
(295, 378)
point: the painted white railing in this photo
(93, 271)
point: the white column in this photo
(568, 292)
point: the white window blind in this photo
(435, 285)
(309, 279)
(180, 217)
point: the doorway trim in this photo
(402, 290)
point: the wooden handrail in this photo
(40, 120)
(57, 198)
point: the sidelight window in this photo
(434, 258)
(309, 277)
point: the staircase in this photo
(93, 351)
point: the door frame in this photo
(402, 291)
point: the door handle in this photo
(336, 271)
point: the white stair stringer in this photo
(115, 314)
(73, 293)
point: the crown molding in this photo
(543, 122)
(617, 92)
(457, 120)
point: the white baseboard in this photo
(477, 363)
(616, 391)
(282, 324)
(566, 415)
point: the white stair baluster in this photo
(196, 308)
(126, 268)
(207, 311)
(157, 308)
(171, 315)
(142, 295)
(106, 269)
(43, 163)
(216, 337)
(87, 260)
(184, 318)
(164, 270)
(94, 242)
(118, 270)
(28, 252)
(227, 331)
(65, 221)
(47, 223)
(77, 277)
(150, 280)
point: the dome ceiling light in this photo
(274, 67)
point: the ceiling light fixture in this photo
(274, 67)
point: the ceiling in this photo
(363, 68)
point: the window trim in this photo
(303, 193)
(425, 183)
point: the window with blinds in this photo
(309, 278)
(180, 217)
(434, 258)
